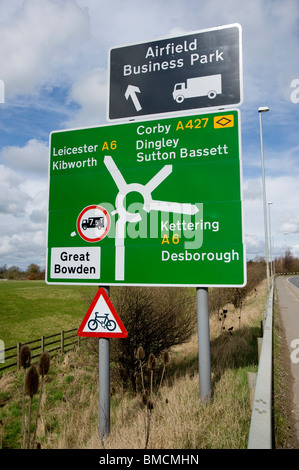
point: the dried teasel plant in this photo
(31, 382)
(31, 388)
(222, 319)
(151, 363)
(149, 401)
(24, 361)
(43, 368)
(25, 356)
(140, 353)
(165, 357)
(140, 356)
(165, 360)
(44, 364)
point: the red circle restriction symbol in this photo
(93, 223)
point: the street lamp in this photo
(261, 110)
(270, 242)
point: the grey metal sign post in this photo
(204, 358)
(104, 387)
(102, 321)
(104, 384)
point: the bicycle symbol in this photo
(105, 323)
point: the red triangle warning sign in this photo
(101, 319)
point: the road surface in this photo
(287, 290)
(294, 280)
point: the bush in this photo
(221, 296)
(156, 319)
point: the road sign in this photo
(198, 70)
(156, 202)
(93, 223)
(101, 319)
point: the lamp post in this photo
(270, 242)
(261, 110)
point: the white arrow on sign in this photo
(131, 92)
(149, 204)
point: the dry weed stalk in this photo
(140, 356)
(151, 364)
(165, 359)
(43, 368)
(222, 319)
(31, 388)
(24, 361)
(240, 314)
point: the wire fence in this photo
(55, 343)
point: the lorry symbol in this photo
(209, 85)
(93, 222)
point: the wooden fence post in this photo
(19, 345)
(42, 340)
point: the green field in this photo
(31, 309)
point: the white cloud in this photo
(38, 216)
(33, 157)
(39, 43)
(289, 156)
(12, 198)
(90, 93)
(48, 43)
(14, 247)
(23, 203)
(290, 227)
(255, 246)
(283, 191)
(252, 189)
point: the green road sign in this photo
(156, 202)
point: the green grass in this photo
(30, 309)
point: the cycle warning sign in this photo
(101, 319)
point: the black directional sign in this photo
(199, 70)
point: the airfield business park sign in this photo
(154, 202)
(194, 71)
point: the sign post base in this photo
(204, 355)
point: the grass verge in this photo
(69, 412)
(30, 309)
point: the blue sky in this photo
(54, 59)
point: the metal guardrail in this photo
(260, 434)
